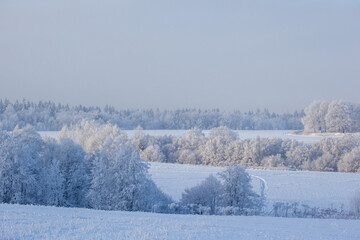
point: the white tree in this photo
(223, 134)
(298, 155)
(350, 162)
(7, 168)
(325, 163)
(26, 164)
(207, 193)
(213, 152)
(140, 139)
(193, 140)
(338, 118)
(91, 135)
(51, 176)
(237, 189)
(314, 120)
(120, 180)
(253, 152)
(273, 161)
(152, 154)
(75, 172)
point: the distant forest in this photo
(49, 116)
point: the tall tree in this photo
(314, 120)
(237, 189)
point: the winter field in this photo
(38, 222)
(242, 134)
(316, 189)
(322, 189)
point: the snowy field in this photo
(322, 189)
(242, 134)
(37, 222)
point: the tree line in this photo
(222, 148)
(48, 116)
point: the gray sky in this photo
(244, 55)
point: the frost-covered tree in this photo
(237, 189)
(52, 192)
(213, 152)
(7, 168)
(120, 180)
(253, 152)
(21, 164)
(350, 162)
(152, 154)
(338, 118)
(187, 156)
(140, 139)
(193, 139)
(207, 193)
(26, 164)
(325, 162)
(297, 155)
(234, 153)
(222, 134)
(91, 135)
(314, 120)
(75, 171)
(273, 161)
(189, 145)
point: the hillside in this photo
(35, 222)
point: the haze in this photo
(244, 55)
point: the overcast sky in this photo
(244, 55)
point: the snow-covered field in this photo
(36, 222)
(322, 189)
(242, 134)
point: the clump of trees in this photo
(46, 116)
(334, 117)
(222, 148)
(60, 173)
(233, 194)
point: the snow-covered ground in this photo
(37, 222)
(242, 134)
(322, 189)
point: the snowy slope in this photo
(323, 189)
(35, 222)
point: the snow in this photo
(38, 222)
(322, 189)
(242, 134)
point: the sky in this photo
(243, 55)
